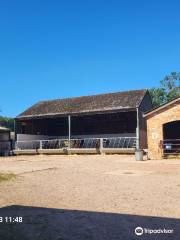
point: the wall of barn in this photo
(155, 128)
(31, 137)
(4, 136)
(5, 144)
(146, 105)
(100, 125)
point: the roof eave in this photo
(75, 113)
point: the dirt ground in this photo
(89, 197)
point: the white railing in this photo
(119, 142)
(85, 143)
(113, 142)
(41, 144)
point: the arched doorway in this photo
(171, 138)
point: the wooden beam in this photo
(69, 130)
(137, 131)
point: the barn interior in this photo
(171, 138)
(89, 125)
(171, 130)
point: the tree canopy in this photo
(7, 122)
(169, 89)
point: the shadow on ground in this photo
(61, 224)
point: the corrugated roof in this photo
(85, 104)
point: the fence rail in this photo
(121, 142)
(116, 142)
(171, 146)
(85, 143)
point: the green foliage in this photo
(169, 89)
(7, 122)
(157, 95)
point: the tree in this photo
(7, 122)
(168, 90)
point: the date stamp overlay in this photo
(11, 219)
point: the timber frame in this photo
(120, 115)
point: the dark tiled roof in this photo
(85, 104)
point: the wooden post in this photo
(137, 131)
(69, 130)
(101, 146)
(15, 131)
(40, 144)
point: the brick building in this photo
(163, 130)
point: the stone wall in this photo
(155, 122)
(146, 105)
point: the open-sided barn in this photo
(105, 121)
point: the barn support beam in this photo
(15, 130)
(137, 131)
(69, 130)
(101, 146)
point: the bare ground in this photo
(89, 197)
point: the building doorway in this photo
(171, 138)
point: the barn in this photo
(163, 130)
(5, 142)
(97, 123)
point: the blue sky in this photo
(56, 49)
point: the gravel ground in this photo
(89, 197)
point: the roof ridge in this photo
(93, 95)
(101, 102)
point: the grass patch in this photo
(6, 176)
